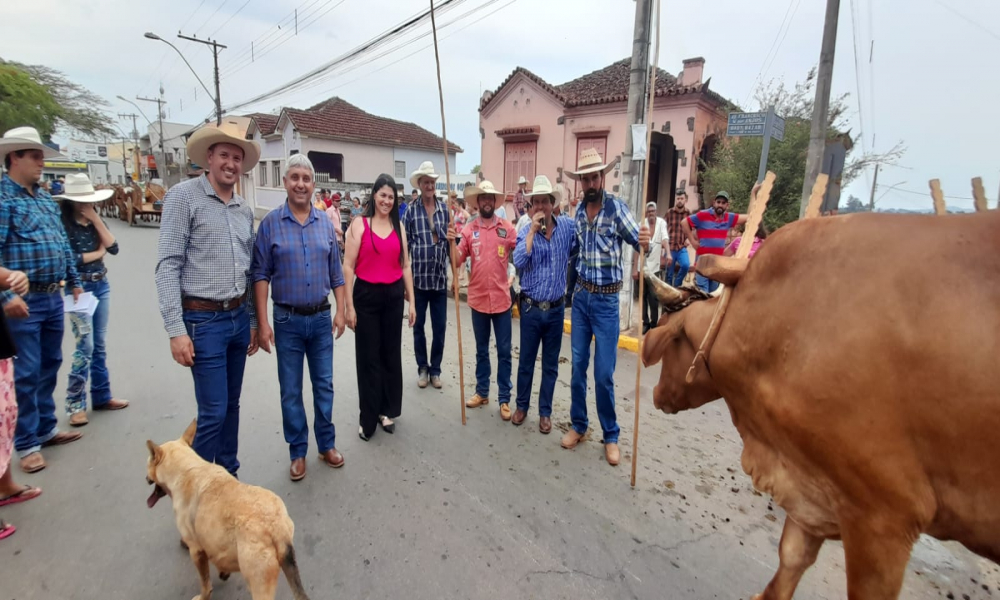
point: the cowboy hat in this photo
(543, 187)
(79, 189)
(591, 162)
(485, 188)
(227, 133)
(521, 180)
(25, 138)
(426, 169)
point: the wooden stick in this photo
(755, 214)
(642, 253)
(938, 196)
(979, 194)
(816, 198)
(451, 249)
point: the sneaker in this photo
(422, 380)
(435, 381)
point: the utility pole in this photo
(632, 171)
(821, 107)
(871, 201)
(159, 113)
(216, 47)
(135, 140)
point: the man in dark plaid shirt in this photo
(426, 226)
(34, 241)
(679, 256)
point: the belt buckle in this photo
(225, 304)
(53, 288)
(545, 305)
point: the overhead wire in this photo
(209, 19)
(248, 52)
(226, 22)
(753, 85)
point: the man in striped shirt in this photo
(711, 225)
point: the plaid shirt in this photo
(33, 237)
(519, 203)
(204, 251)
(599, 243)
(543, 272)
(428, 259)
(675, 228)
(302, 262)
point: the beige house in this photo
(530, 127)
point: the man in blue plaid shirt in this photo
(601, 227)
(34, 241)
(426, 226)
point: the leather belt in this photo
(43, 288)
(200, 304)
(307, 311)
(611, 288)
(93, 276)
(543, 305)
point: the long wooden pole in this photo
(447, 178)
(642, 252)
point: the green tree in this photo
(735, 161)
(76, 108)
(854, 204)
(23, 102)
(475, 169)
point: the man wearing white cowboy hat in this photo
(520, 199)
(489, 241)
(90, 240)
(203, 283)
(34, 241)
(426, 225)
(603, 223)
(542, 252)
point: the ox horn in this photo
(666, 294)
(727, 270)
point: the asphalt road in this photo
(435, 511)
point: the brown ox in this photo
(859, 362)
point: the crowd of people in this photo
(47, 248)
(215, 273)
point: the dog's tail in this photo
(291, 570)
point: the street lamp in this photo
(215, 48)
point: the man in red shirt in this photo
(489, 241)
(712, 225)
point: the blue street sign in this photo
(746, 124)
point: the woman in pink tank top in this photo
(376, 255)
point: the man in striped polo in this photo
(711, 225)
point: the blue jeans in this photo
(595, 316)
(437, 300)
(682, 260)
(501, 327)
(705, 284)
(90, 356)
(220, 348)
(311, 337)
(39, 340)
(544, 327)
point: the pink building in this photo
(530, 127)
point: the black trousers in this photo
(378, 341)
(650, 306)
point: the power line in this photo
(226, 22)
(271, 32)
(969, 20)
(371, 44)
(209, 19)
(857, 72)
(191, 16)
(927, 194)
(775, 41)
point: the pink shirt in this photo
(378, 258)
(490, 246)
(334, 215)
(735, 245)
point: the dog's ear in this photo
(188, 437)
(155, 452)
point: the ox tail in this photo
(291, 571)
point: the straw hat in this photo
(591, 162)
(79, 189)
(227, 133)
(25, 138)
(485, 188)
(543, 187)
(521, 180)
(426, 169)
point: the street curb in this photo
(625, 342)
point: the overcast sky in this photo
(931, 83)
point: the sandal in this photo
(28, 492)
(387, 425)
(6, 530)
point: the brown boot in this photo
(333, 458)
(612, 453)
(519, 417)
(571, 439)
(545, 424)
(505, 411)
(33, 463)
(78, 419)
(298, 469)
(476, 401)
(113, 404)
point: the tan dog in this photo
(235, 526)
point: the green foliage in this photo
(76, 108)
(23, 102)
(475, 169)
(854, 204)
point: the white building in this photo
(348, 147)
(174, 148)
